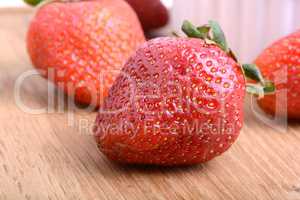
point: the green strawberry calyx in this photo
(212, 33)
(40, 3)
(33, 2)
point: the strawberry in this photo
(152, 13)
(178, 101)
(281, 63)
(76, 44)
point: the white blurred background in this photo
(9, 3)
(250, 25)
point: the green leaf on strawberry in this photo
(251, 71)
(33, 2)
(218, 35)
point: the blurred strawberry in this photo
(82, 43)
(152, 13)
(281, 63)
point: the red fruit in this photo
(152, 13)
(281, 64)
(178, 101)
(82, 41)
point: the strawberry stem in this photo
(204, 30)
(175, 34)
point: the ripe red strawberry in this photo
(281, 63)
(82, 41)
(152, 13)
(178, 101)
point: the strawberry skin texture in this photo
(191, 82)
(152, 13)
(75, 44)
(280, 63)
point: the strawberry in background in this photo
(280, 62)
(82, 45)
(152, 13)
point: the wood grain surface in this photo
(53, 156)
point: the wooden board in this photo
(42, 157)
